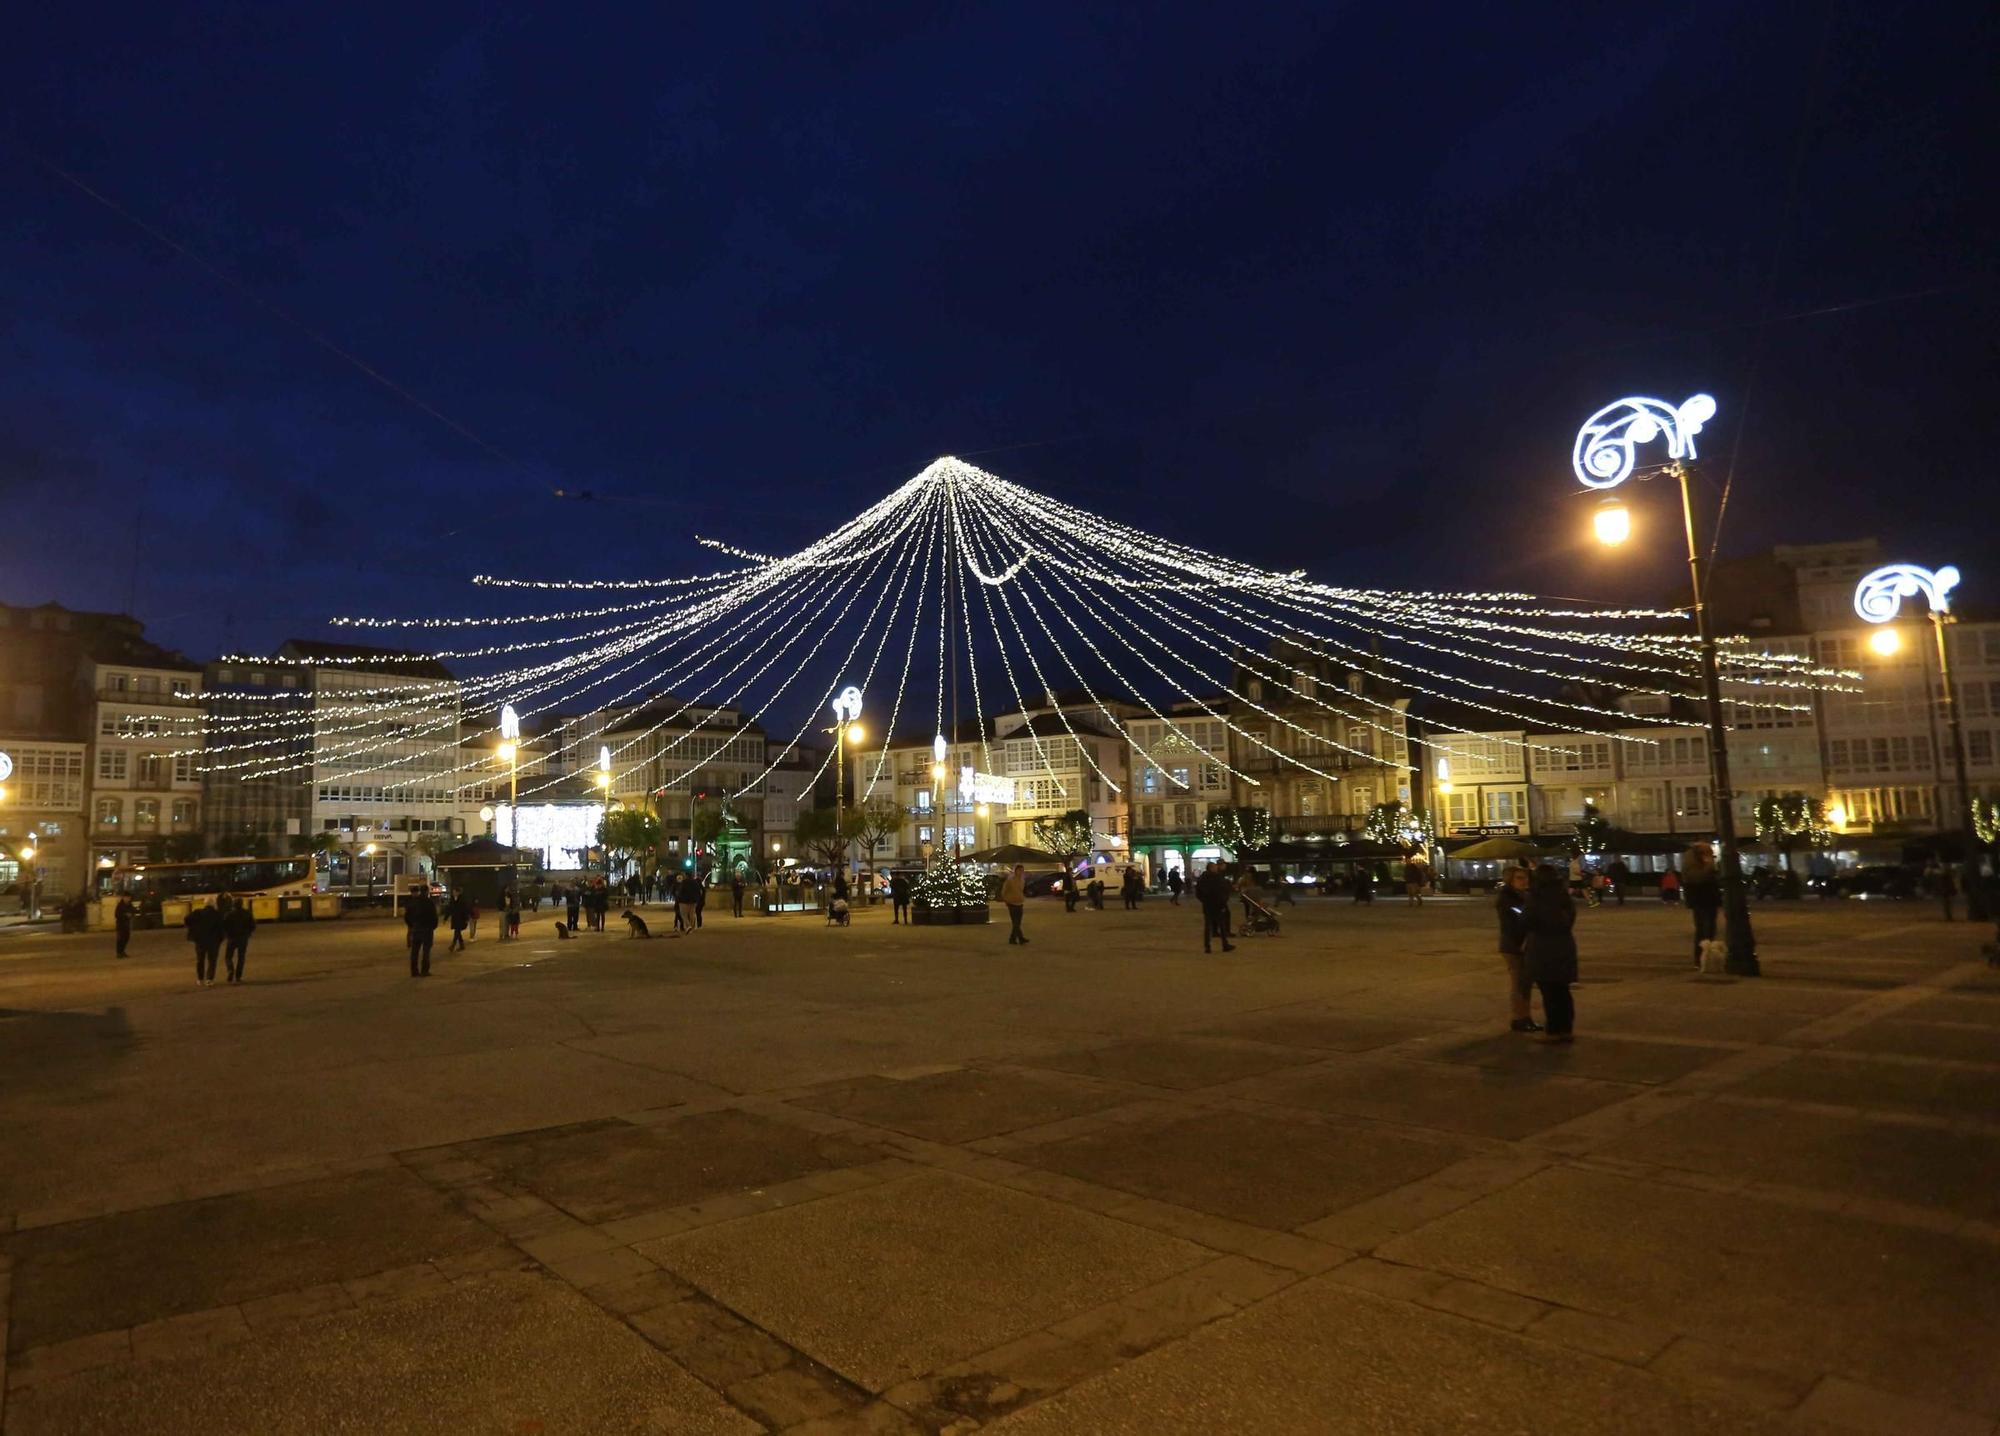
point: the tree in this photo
(1397, 825)
(1593, 831)
(827, 834)
(1784, 820)
(1238, 831)
(1986, 821)
(1067, 835)
(881, 820)
(628, 832)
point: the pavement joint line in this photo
(1888, 1116)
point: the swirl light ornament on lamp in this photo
(1604, 455)
(1880, 595)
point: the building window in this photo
(923, 800)
(1211, 775)
(1500, 808)
(1979, 745)
(111, 764)
(118, 682)
(1149, 781)
(110, 812)
(183, 814)
(149, 769)
(146, 815)
(184, 768)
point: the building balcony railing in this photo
(133, 695)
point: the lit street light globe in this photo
(1885, 641)
(1612, 521)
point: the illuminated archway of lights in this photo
(962, 596)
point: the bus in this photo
(277, 889)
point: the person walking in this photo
(1701, 890)
(237, 925)
(1947, 889)
(472, 919)
(573, 903)
(1212, 890)
(420, 920)
(686, 891)
(700, 898)
(1413, 883)
(121, 917)
(1670, 886)
(1134, 889)
(1620, 873)
(1512, 908)
(510, 905)
(736, 893)
(1176, 884)
(1364, 884)
(459, 913)
(1014, 893)
(204, 930)
(899, 898)
(1548, 950)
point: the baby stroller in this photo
(1258, 918)
(836, 913)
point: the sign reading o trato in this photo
(6, 766)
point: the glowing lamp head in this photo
(856, 733)
(1836, 816)
(1885, 641)
(486, 814)
(983, 810)
(510, 721)
(507, 751)
(937, 771)
(1612, 522)
(368, 850)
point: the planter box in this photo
(924, 915)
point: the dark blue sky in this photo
(1328, 286)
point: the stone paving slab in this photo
(1321, 1356)
(1951, 1171)
(1963, 1042)
(1918, 1088)
(514, 1353)
(963, 1105)
(135, 1267)
(1610, 1059)
(1248, 1168)
(604, 1171)
(1905, 1311)
(1182, 1063)
(888, 1283)
(1475, 1100)
(1330, 1031)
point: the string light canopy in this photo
(963, 591)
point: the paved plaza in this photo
(783, 1177)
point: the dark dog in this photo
(563, 932)
(639, 928)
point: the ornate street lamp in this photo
(1604, 457)
(1878, 598)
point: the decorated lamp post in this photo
(846, 709)
(1878, 598)
(510, 753)
(1605, 456)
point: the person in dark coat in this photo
(899, 898)
(574, 899)
(687, 888)
(420, 919)
(204, 930)
(1364, 884)
(122, 916)
(237, 925)
(736, 894)
(1212, 890)
(1133, 889)
(1512, 907)
(458, 912)
(700, 898)
(1701, 891)
(1176, 885)
(510, 915)
(1548, 951)
(1620, 873)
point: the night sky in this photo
(1326, 286)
